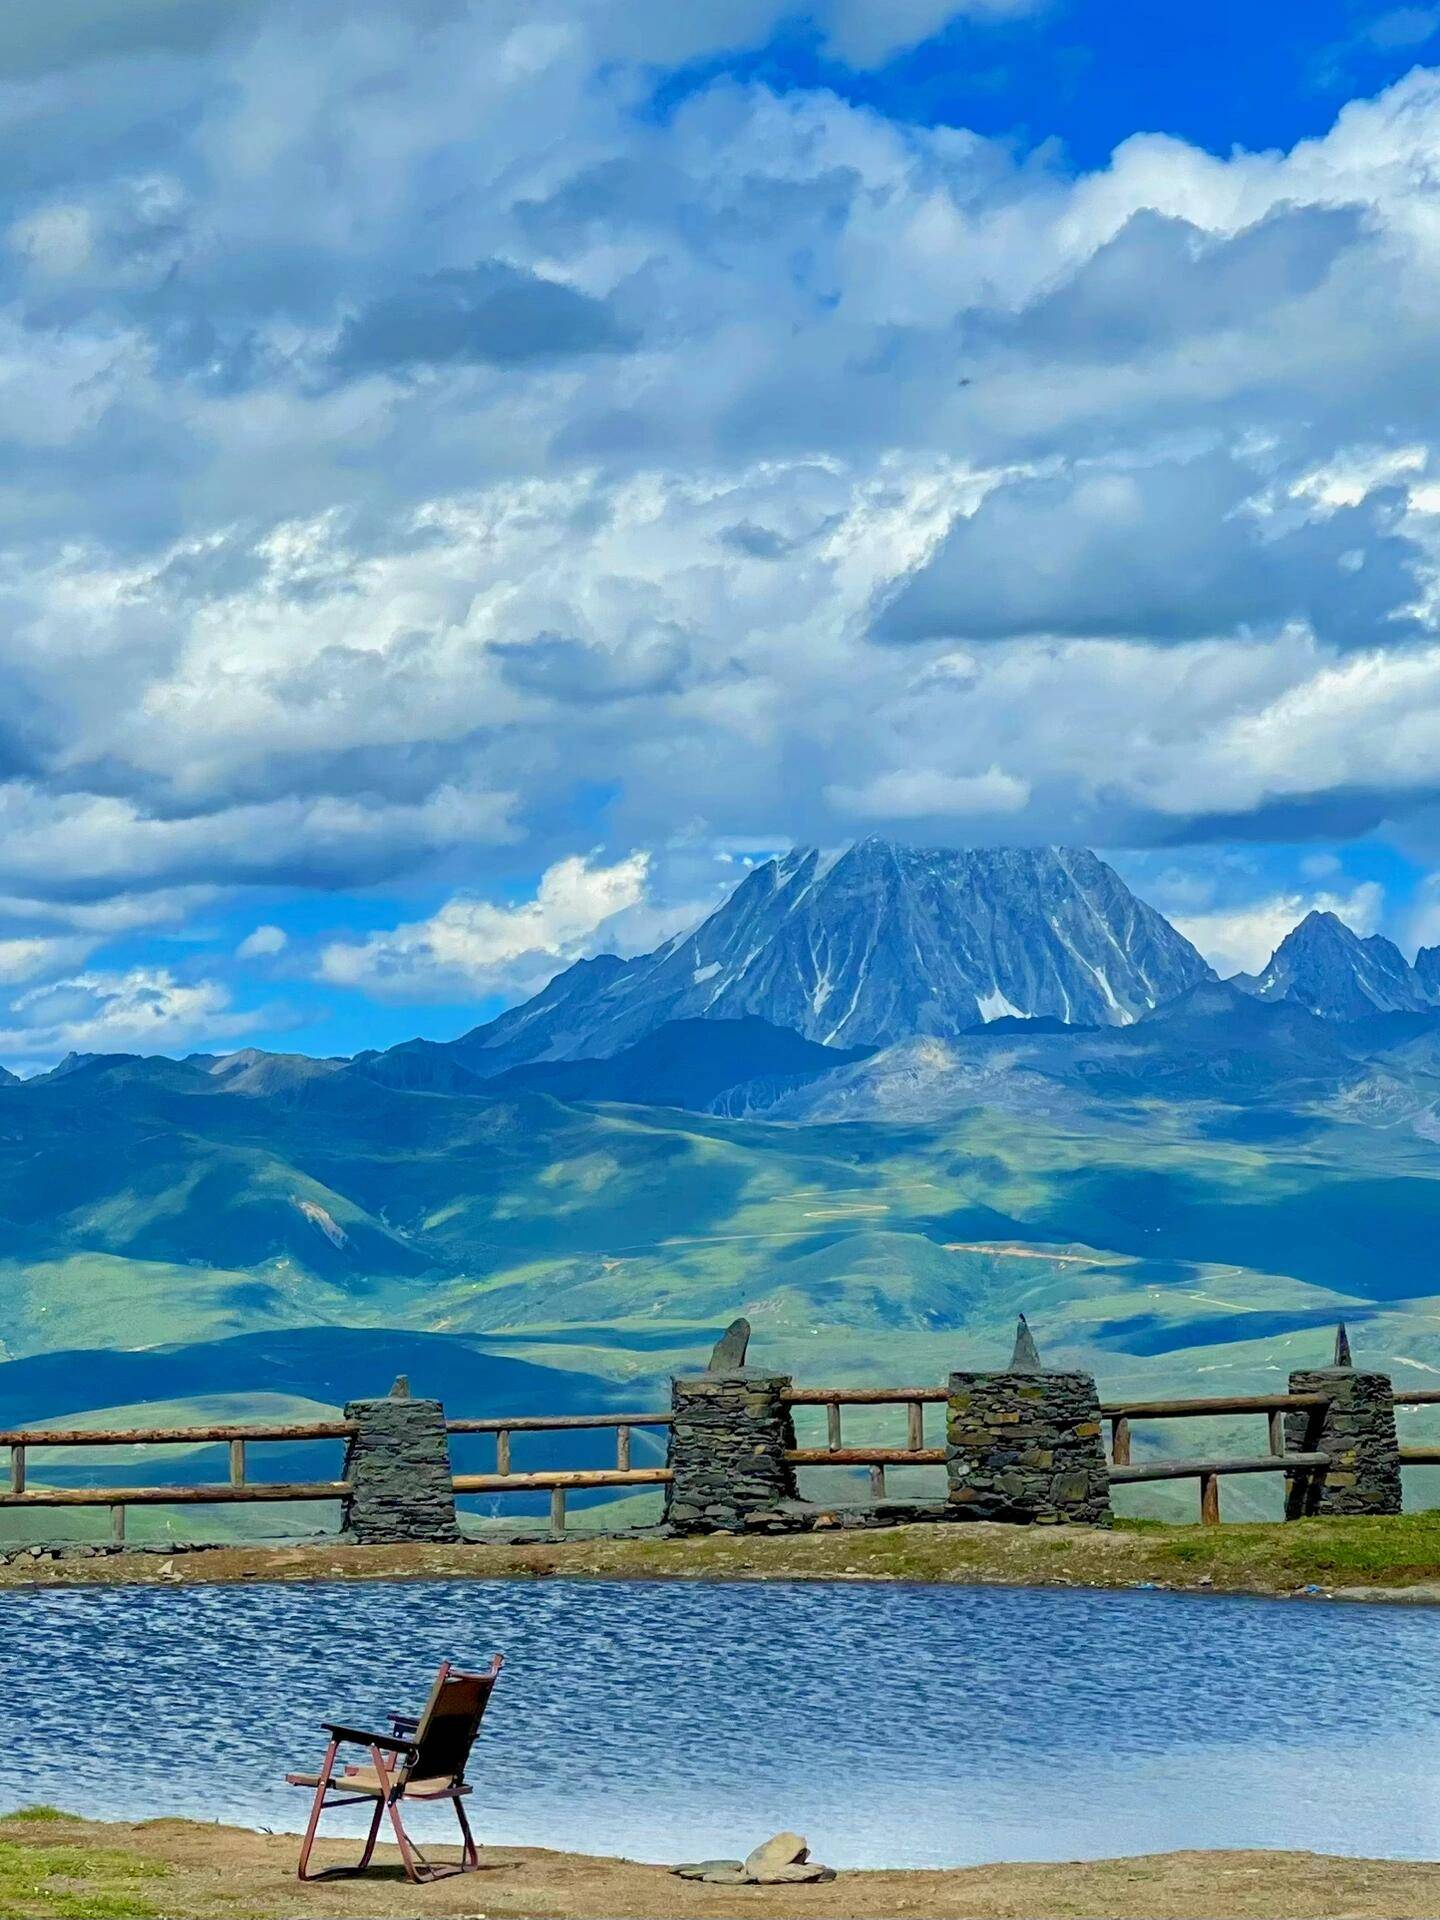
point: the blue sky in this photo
(479, 475)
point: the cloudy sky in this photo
(477, 474)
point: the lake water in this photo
(893, 1725)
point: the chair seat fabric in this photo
(366, 1780)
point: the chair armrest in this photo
(402, 1721)
(363, 1739)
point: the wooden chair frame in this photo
(394, 1757)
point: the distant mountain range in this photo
(875, 945)
(1326, 967)
(885, 943)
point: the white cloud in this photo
(1241, 939)
(144, 1010)
(269, 623)
(475, 946)
(262, 943)
(923, 793)
(24, 957)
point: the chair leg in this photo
(416, 1870)
(321, 1789)
(371, 1836)
(470, 1857)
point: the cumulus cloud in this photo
(263, 943)
(474, 946)
(23, 957)
(143, 1010)
(493, 313)
(920, 793)
(1174, 550)
(435, 463)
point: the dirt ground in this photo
(1394, 1558)
(182, 1870)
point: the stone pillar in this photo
(728, 1441)
(1357, 1430)
(398, 1466)
(1024, 1445)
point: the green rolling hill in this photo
(169, 1236)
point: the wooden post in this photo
(1277, 1431)
(237, 1463)
(502, 1451)
(1210, 1499)
(832, 1426)
(557, 1509)
(877, 1483)
(117, 1525)
(622, 1449)
(17, 1469)
(915, 1425)
(1120, 1440)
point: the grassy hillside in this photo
(167, 1242)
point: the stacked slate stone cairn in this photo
(1357, 1430)
(730, 1475)
(398, 1465)
(783, 1860)
(1025, 1445)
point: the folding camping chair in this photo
(427, 1760)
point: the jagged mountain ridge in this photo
(878, 944)
(1325, 966)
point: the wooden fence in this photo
(504, 1480)
(240, 1489)
(836, 1454)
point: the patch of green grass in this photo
(74, 1882)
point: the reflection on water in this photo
(893, 1725)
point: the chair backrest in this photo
(447, 1728)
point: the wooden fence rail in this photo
(836, 1454)
(559, 1483)
(237, 1435)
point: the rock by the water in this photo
(781, 1850)
(782, 1860)
(730, 1348)
(730, 1871)
(1342, 1348)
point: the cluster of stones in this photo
(781, 1861)
(1357, 1431)
(1025, 1445)
(728, 1440)
(398, 1466)
(100, 1550)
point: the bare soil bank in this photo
(1395, 1558)
(182, 1870)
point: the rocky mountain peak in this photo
(1326, 966)
(870, 945)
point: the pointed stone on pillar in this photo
(1342, 1348)
(1026, 1357)
(731, 1348)
(1024, 1445)
(401, 1388)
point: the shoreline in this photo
(1390, 1561)
(167, 1869)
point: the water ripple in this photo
(894, 1725)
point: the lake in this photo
(893, 1725)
